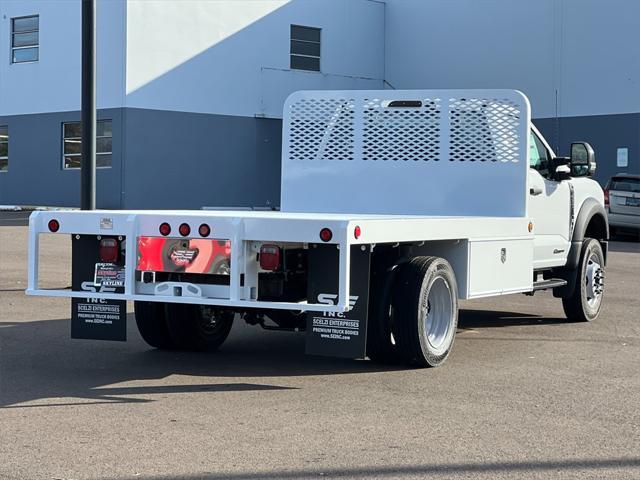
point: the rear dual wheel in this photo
(152, 325)
(198, 327)
(182, 326)
(417, 318)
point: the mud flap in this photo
(337, 334)
(93, 318)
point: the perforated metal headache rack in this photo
(414, 152)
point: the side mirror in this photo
(583, 159)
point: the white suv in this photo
(622, 202)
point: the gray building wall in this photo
(160, 159)
(191, 160)
(605, 133)
(35, 175)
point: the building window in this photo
(4, 148)
(25, 39)
(72, 144)
(305, 48)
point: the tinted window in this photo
(305, 63)
(25, 39)
(4, 148)
(538, 155)
(72, 144)
(304, 48)
(25, 55)
(308, 34)
(26, 24)
(625, 184)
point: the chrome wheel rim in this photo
(438, 312)
(594, 281)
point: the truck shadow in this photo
(478, 319)
(558, 468)
(628, 244)
(43, 367)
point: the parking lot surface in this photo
(525, 394)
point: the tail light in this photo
(109, 250)
(184, 229)
(53, 225)
(204, 230)
(326, 234)
(165, 229)
(606, 196)
(269, 257)
(357, 232)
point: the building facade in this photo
(190, 93)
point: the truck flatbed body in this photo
(401, 166)
(241, 228)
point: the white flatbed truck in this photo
(394, 205)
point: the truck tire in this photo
(425, 311)
(585, 302)
(198, 327)
(381, 344)
(152, 325)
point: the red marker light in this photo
(326, 235)
(54, 226)
(165, 229)
(357, 232)
(204, 230)
(269, 257)
(184, 229)
(108, 250)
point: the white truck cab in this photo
(554, 201)
(395, 204)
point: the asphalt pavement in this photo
(524, 395)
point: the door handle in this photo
(535, 190)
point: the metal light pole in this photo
(88, 167)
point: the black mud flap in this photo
(337, 334)
(93, 318)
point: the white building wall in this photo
(53, 83)
(232, 56)
(586, 51)
(571, 57)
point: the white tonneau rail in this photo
(244, 228)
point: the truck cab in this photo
(558, 189)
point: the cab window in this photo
(538, 155)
